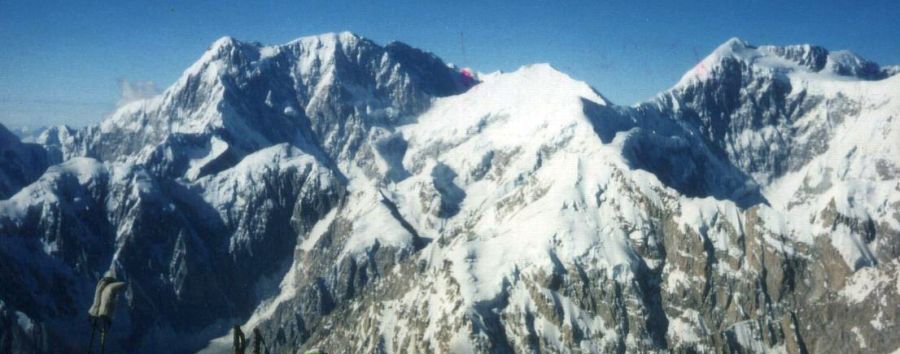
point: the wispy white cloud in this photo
(136, 90)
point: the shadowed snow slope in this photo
(350, 197)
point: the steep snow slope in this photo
(356, 198)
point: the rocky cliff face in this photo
(350, 197)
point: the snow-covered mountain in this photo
(27, 134)
(351, 197)
(20, 163)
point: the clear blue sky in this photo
(61, 61)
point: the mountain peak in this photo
(784, 59)
(224, 41)
(544, 77)
(241, 96)
(847, 63)
(540, 67)
(224, 46)
(733, 45)
(806, 56)
(328, 39)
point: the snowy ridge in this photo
(806, 58)
(349, 197)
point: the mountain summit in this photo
(351, 197)
(793, 58)
(319, 93)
